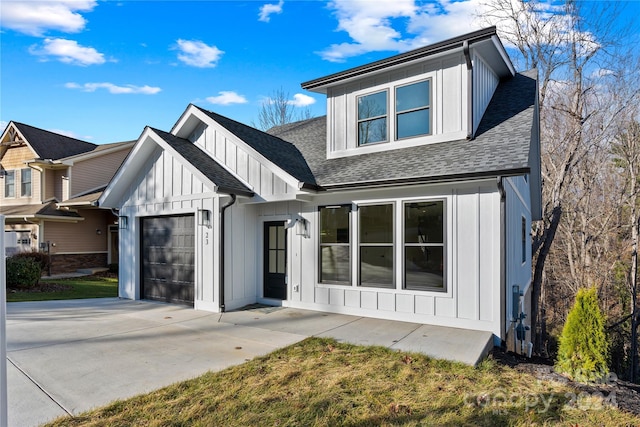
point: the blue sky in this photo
(102, 70)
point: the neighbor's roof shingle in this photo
(50, 145)
(31, 211)
(501, 146)
(224, 180)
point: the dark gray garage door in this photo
(168, 249)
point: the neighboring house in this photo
(49, 185)
(411, 200)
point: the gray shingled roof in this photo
(281, 153)
(35, 211)
(501, 146)
(224, 180)
(50, 145)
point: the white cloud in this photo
(268, 9)
(198, 54)
(302, 100)
(36, 17)
(68, 51)
(375, 26)
(114, 89)
(227, 98)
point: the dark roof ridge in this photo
(51, 145)
(51, 132)
(207, 165)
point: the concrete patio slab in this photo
(458, 345)
(66, 357)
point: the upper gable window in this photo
(413, 112)
(10, 184)
(25, 182)
(372, 118)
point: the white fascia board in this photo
(180, 129)
(503, 53)
(127, 171)
(9, 126)
(169, 149)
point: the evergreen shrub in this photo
(583, 353)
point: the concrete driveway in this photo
(65, 357)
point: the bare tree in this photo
(278, 110)
(626, 149)
(565, 49)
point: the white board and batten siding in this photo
(485, 83)
(242, 161)
(165, 186)
(517, 211)
(472, 273)
(448, 111)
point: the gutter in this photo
(427, 180)
(503, 258)
(467, 58)
(222, 210)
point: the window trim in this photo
(428, 107)
(13, 183)
(22, 182)
(369, 119)
(443, 245)
(393, 245)
(348, 282)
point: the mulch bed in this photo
(622, 394)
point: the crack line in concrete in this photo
(40, 387)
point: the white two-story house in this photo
(411, 200)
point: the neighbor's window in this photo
(376, 245)
(424, 245)
(335, 248)
(413, 112)
(372, 118)
(10, 184)
(25, 182)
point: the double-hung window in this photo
(372, 118)
(335, 248)
(413, 112)
(424, 245)
(376, 245)
(25, 182)
(10, 184)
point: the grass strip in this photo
(319, 382)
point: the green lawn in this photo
(76, 288)
(319, 382)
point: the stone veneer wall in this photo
(70, 263)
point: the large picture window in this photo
(424, 245)
(376, 245)
(413, 113)
(10, 184)
(335, 248)
(372, 118)
(25, 182)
